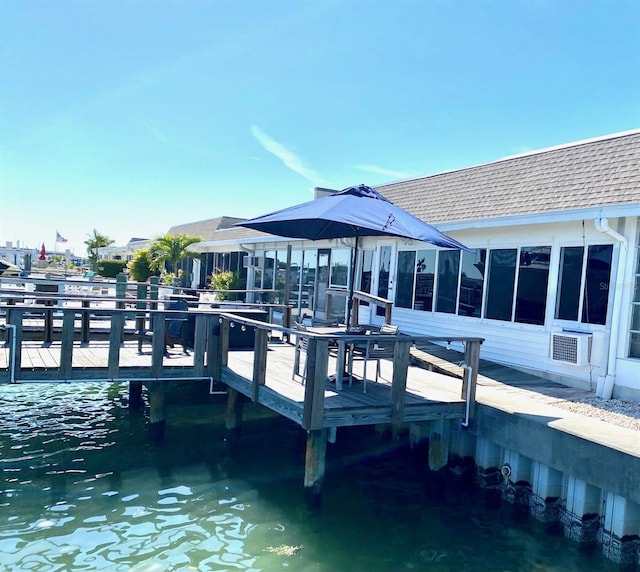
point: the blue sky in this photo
(132, 116)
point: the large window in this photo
(425, 279)
(634, 337)
(533, 279)
(448, 271)
(472, 282)
(340, 263)
(583, 289)
(500, 283)
(406, 279)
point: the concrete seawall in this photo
(572, 472)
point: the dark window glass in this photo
(405, 280)
(340, 267)
(596, 286)
(634, 345)
(533, 280)
(472, 282)
(384, 273)
(425, 275)
(569, 288)
(502, 272)
(269, 269)
(448, 269)
(365, 276)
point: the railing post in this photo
(214, 357)
(157, 345)
(153, 300)
(472, 361)
(48, 322)
(66, 344)
(387, 312)
(121, 289)
(115, 339)
(15, 348)
(259, 362)
(356, 312)
(199, 344)
(224, 341)
(401, 360)
(317, 358)
(84, 328)
(141, 295)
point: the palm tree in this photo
(172, 249)
(95, 242)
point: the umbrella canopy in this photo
(43, 253)
(352, 212)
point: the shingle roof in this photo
(581, 175)
(206, 229)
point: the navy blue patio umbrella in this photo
(352, 212)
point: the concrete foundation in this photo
(559, 496)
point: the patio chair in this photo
(301, 344)
(376, 349)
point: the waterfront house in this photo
(550, 281)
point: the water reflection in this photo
(83, 489)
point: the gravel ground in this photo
(614, 411)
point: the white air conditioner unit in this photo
(253, 262)
(571, 347)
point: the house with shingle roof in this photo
(551, 280)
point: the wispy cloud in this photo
(290, 159)
(165, 139)
(376, 170)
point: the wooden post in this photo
(141, 295)
(313, 408)
(121, 289)
(259, 362)
(135, 395)
(66, 346)
(115, 340)
(158, 345)
(48, 323)
(214, 357)
(356, 311)
(156, 410)
(153, 300)
(200, 344)
(233, 415)
(438, 444)
(224, 342)
(16, 359)
(472, 360)
(84, 335)
(314, 467)
(399, 384)
(387, 312)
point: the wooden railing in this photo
(359, 297)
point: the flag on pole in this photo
(60, 238)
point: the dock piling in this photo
(314, 467)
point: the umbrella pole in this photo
(352, 282)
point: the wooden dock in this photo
(262, 372)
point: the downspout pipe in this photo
(605, 385)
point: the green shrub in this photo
(224, 281)
(111, 268)
(141, 266)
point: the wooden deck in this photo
(429, 395)
(424, 399)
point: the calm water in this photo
(82, 489)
